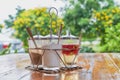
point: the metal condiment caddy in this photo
(51, 49)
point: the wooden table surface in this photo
(95, 67)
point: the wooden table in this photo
(95, 67)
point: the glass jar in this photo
(70, 49)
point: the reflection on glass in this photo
(36, 57)
(51, 76)
(36, 75)
(70, 76)
(35, 54)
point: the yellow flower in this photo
(60, 21)
(26, 20)
(37, 13)
(97, 14)
(53, 26)
(42, 23)
(113, 11)
(55, 30)
(106, 17)
(105, 25)
(40, 19)
(102, 18)
(53, 23)
(43, 33)
(117, 9)
(44, 9)
(110, 22)
(21, 21)
(45, 15)
(110, 15)
(37, 25)
(15, 22)
(104, 13)
(25, 14)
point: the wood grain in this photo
(95, 67)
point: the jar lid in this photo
(49, 36)
(37, 36)
(69, 36)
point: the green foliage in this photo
(108, 27)
(86, 49)
(78, 15)
(106, 18)
(112, 39)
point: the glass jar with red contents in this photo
(70, 49)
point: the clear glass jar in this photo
(36, 53)
(70, 49)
